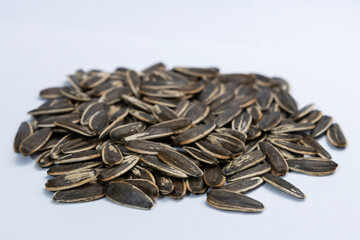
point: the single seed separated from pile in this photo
(132, 136)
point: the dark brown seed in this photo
(120, 132)
(82, 145)
(235, 133)
(161, 93)
(51, 93)
(175, 124)
(323, 125)
(114, 95)
(294, 147)
(172, 103)
(269, 121)
(196, 112)
(73, 167)
(196, 185)
(155, 163)
(236, 77)
(83, 130)
(111, 155)
(264, 99)
(198, 72)
(163, 114)
(35, 141)
(85, 193)
(255, 113)
(292, 127)
(252, 145)
(192, 87)
(54, 139)
(78, 157)
(227, 116)
(25, 129)
(182, 106)
(286, 101)
(312, 166)
(274, 157)
(242, 123)
(213, 176)
(148, 134)
(179, 188)
(128, 195)
(222, 99)
(148, 187)
(74, 94)
(311, 142)
(90, 110)
(138, 172)
(133, 81)
(244, 185)
(156, 66)
(91, 81)
(215, 150)
(201, 155)
(285, 137)
(313, 117)
(336, 136)
(71, 180)
(180, 162)
(194, 134)
(164, 184)
(99, 121)
(257, 170)
(55, 106)
(116, 171)
(138, 103)
(146, 147)
(264, 81)
(302, 112)
(230, 143)
(74, 80)
(283, 185)
(143, 116)
(44, 160)
(232, 201)
(50, 121)
(243, 162)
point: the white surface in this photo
(313, 45)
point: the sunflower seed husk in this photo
(44, 160)
(286, 101)
(164, 184)
(83, 130)
(155, 163)
(50, 121)
(74, 94)
(313, 117)
(336, 136)
(196, 112)
(321, 127)
(78, 157)
(86, 193)
(302, 112)
(71, 180)
(201, 155)
(244, 185)
(73, 167)
(25, 129)
(294, 147)
(257, 170)
(283, 185)
(180, 162)
(292, 127)
(264, 99)
(51, 93)
(311, 142)
(146, 147)
(99, 121)
(162, 113)
(148, 187)
(233, 201)
(274, 157)
(133, 81)
(255, 113)
(33, 142)
(243, 162)
(179, 188)
(215, 150)
(213, 176)
(122, 131)
(235, 133)
(230, 143)
(128, 195)
(227, 116)
(196, 185)
(269, 121)
(194, 134)
(148, 134)
(117, 170)
(90, 110)
(111, 155)
(312, 166)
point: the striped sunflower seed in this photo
(86, 193)
(336, 136)
(312, 166)
(283, 185)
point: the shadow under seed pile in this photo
(133, 136)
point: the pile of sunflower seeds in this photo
(133, 136)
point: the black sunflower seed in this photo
(321, 127)
(25, 129)
(244, 185)
(85, 193)
(243, 162)
(194, 134)
(257, 170)
(312, 166)
(116, 171)
(213, 176)
(336, 136)
(274, 157)
(35, 141)
(283, 185)
(71, 180)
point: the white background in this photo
(313, 44)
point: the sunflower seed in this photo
(94, 80)
(114, 95)
(196, 185)
(313, 117)
(227, 116)
(269, 121)
(255, 113)
(201, 155)
(286, 101)
(162, 113)
(194, 134)
(215, 150)
(283, 185)
(111, 155)
(154, 133)
(85, 193)
(243, 162)
(292, 127)
(235, 133)
(264, 99)
(336, 136)
(285, 137)
(143, 116)
(44, 160)
(133, 81)
(311, 142)
(51, 93)
(198, 72)
(213, 176)
(78, 157)
(74, 94)
(179, 162)
(128, 195)
(323, 125)
(294, 147)
(312, 166)
(90, 110)
(137, 103)
(73, 167)
(71, 180)
(274, 157)
(99, 121)
(50, 120)
(302, 112)
(148, 187)
(164, 184)
(122, 131)
(78, 145)
(175, 124)
(146, 147)
(196, 112)
(244, 185)
(230, 143)
(83, 130)
(155, 163)
(116, 171)
(257, 170)
(34, 141)
(242, 123)
(227, 200)
(25, 129)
